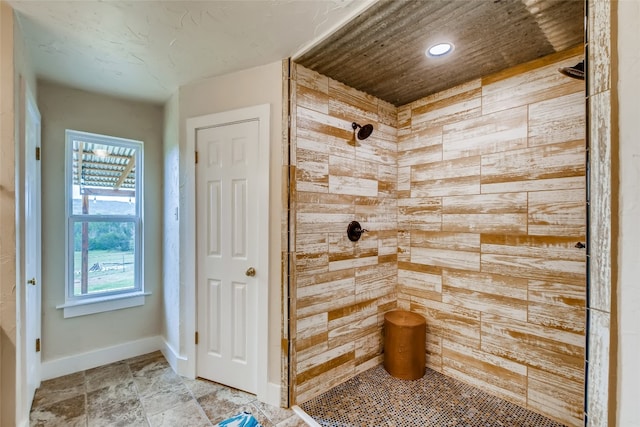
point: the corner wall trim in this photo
(178, 363)
(103, 356)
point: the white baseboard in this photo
(103, 356)
(273, 395)
(176, 361)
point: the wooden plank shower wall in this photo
(476, 199)
(341, 289)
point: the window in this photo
(104, 223)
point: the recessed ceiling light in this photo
(439, 49)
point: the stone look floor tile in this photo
(149, 367)
(107, 396)
(57, 389)
(153, 355)
(217, 409)
(68, 412)
(157, 401)
(108, 375)
(201, 387)
(293, 421)
(124, 413)
(144, 391)
(273, 413)
(187, 414)
(159, 379)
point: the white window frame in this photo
(79, 305)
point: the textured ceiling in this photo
(147, 49)
(381, 51)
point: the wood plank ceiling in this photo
(381, 51)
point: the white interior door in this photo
(32, 233)
(227, 228)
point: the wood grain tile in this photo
(310, 79)
(499, 376)
(489, 133)
(598, 357)
(312, 171)
(447, 178)
(600, 182)
(557, 305)
(366, 104)
(312, 99)
(530, 164)
(313, 140)
(533, 257)
(557, 213)
(459, 103)
(600, 51)
(325, 124)
(450, 322)
(560, 398)
(418, 156)
(419, 276)
(474, 201)
(413, 140)
(557, 120)
(513, 203)
(576, 182)
(486, 293)
(554, 351)
(508, 223)
(376, 281)
(538, 84)
(321, 297)
(421, 213)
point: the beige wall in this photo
(260, 85)
(491, 202)
(66, 108)
(627, 87)
(171, 226)
(485, 185)
(7, 221)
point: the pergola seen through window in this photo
(104, 215)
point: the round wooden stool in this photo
(404, 344)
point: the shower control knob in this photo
(354, 231)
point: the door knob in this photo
(250, 272)
(32, 281)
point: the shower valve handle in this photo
(354, 231)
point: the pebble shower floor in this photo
(375, 398)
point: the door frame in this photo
(28, 110)
(261, 113)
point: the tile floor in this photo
(145, 391)
(375, 398)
